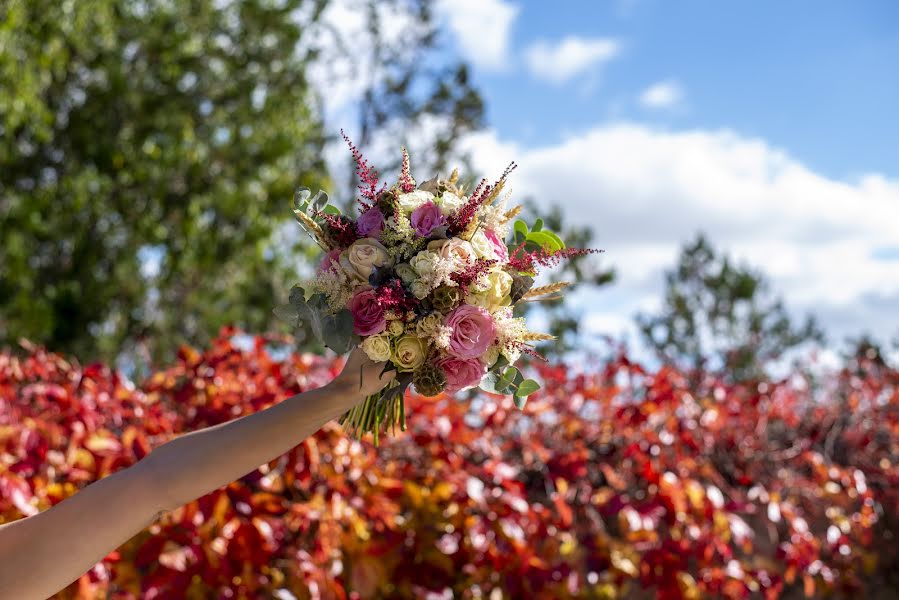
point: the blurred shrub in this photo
(621, 484)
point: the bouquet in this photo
(423, 278)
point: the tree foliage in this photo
(149, 151)
(721, 316)
(624, 483)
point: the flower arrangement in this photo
(423, 278)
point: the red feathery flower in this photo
(527, 262)
(470, 273)
(393, 296)
(367, 175)
(341, 229)
(459, 220)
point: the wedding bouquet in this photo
(423, 278)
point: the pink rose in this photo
(499, 247)
(368, 314)
(473, 330)
(370, 223)
(461, 372)
(326, 265)
(426, 218)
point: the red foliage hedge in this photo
(622, 483)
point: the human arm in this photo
(42, 554)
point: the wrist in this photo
(345, 392)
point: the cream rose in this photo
(396, 328)
(409, 352)
(490, 357)
(419, 289)
(412, 200)
(377, 347)
(361, 258)
(450, 203)
(453, 247)
(482, 247)
(424, 262)
(499, 286)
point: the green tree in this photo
(148, 152)
(721, 316)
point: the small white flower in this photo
(412, 200)
(450, 203)
(424, 262)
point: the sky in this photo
(769, 126)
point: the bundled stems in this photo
(375, 411)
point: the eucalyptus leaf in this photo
(301, 198)
(489, 382)
(526, 388)
(287, 313)
(319, 201)
(331, 210)
(337, 332)
(520, 401)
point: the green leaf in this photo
(288, 313)
(330, 209)
(526, 388)
(337, 331)
(559, 242)
(520, 401)
(319, 201)
(506, 379)
(538, 225)
(544, 240)
(301, 198)
(521, 231)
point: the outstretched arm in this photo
(44, 553)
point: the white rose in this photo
(424, 262)
(377, 347)
(453, 247)
(419, 289)
(410, 351)
(412, 200)
(396, 328)
(450, 203)
(482, 246)
(496, 292)
(490, 357)
(361, 258)
(406, 273)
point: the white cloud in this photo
(558, 62)
(482, 29)
(664, 94)
(645, 191)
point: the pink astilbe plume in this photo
(470, 273)
(341, 229)
(407, 183)
(368, 176)
(392, 296)
(527, 261)
(462, 217)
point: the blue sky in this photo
(771, 127)
(817, 78)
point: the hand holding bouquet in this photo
(422, 278)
